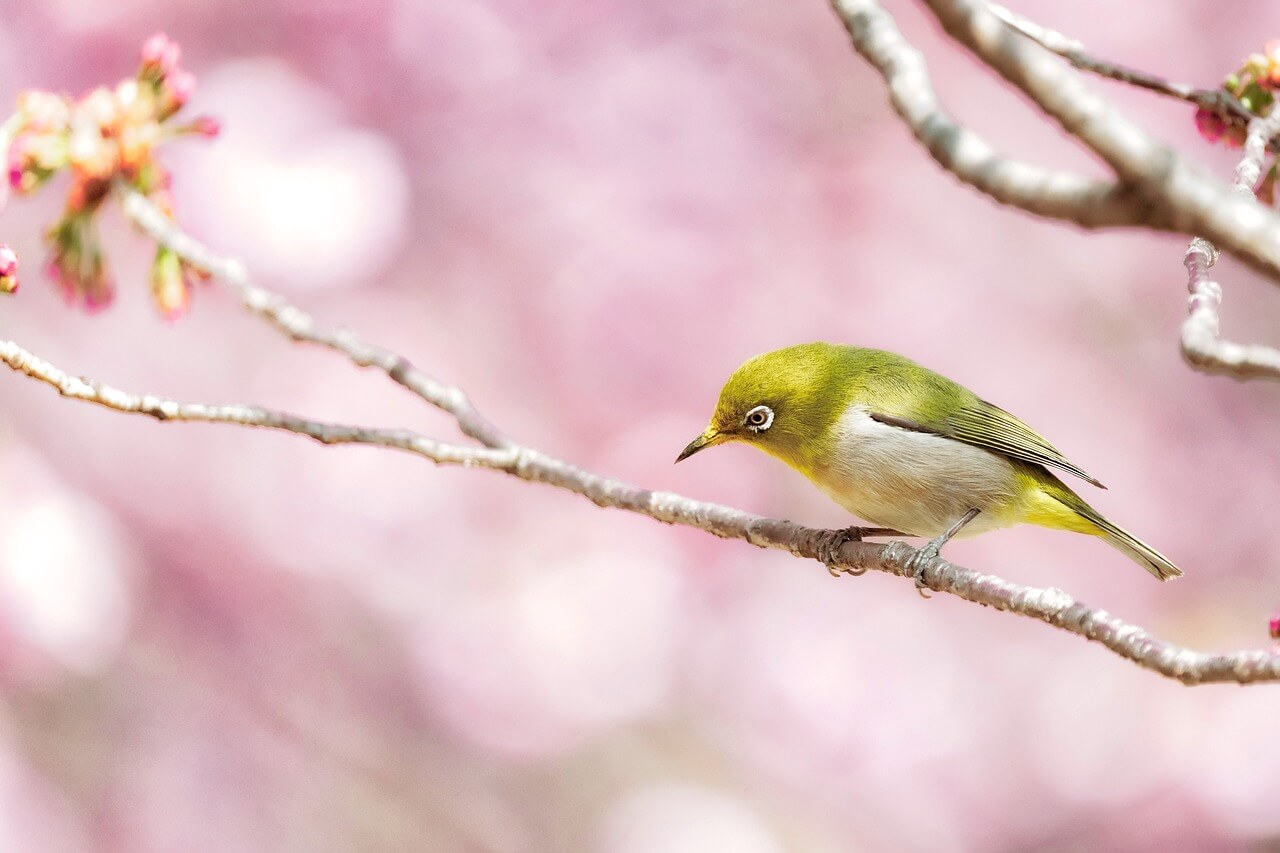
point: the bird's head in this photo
(785, 402)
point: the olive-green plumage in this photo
(901, 446)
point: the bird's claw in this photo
(916, 562)
(829, 550)
(916, 565)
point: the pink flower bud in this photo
(99, 296)
(160, 55)
(175, 91)
(55, 271)
(1210, 124)
(8, 260)
(8, 270)
(168, 284)
(181, 85)
(1275, 627)
(43, 111)
(206, 126)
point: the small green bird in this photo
(900, 446)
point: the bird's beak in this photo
(710, 436)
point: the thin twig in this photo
(1051, 606)
(300, 326)
(165, 409)
(1202, 346)
(1072, 50)
(1044, 192)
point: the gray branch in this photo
(299, 326)
(1051, 606)
(1202, 345)
(1044, 192)
(1193, 202)
(1162, 193)
(1154, 187)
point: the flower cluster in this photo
(1254, 85)
(106, 136)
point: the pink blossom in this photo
(206, 126)
(160, 55)
(1210, 124)
(8, 270)
(8, 260)
(180, 86)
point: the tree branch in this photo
(1049, 193)
(1176, 195)
(165, 409)
(1047, 605)
(1193, 202)
(1051, 606)
(299, 326)
(1043, 192)
(1202, 346)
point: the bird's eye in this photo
(758, 419)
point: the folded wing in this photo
(992, 428)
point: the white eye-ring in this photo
(758, 419)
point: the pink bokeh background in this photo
(588, 213)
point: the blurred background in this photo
(587, 213)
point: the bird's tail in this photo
(1137, 550)
(1058, 506)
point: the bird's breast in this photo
(915, 482)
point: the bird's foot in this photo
(916, 564)
(829, 549)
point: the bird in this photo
(905, 448)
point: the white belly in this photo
(916, 482)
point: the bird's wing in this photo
(992, 428)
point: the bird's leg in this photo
(832, 540)
(916, 564)
(829, 549)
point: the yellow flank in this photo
(1042, 508)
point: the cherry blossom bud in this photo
(43, 111)
(8, 270)
(1275, 627)
(99, 108)
(175, 91)
(34, 158)
(206, 126)
(76, 264)
(168, 285)
(160, 56)
(1210, 124)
